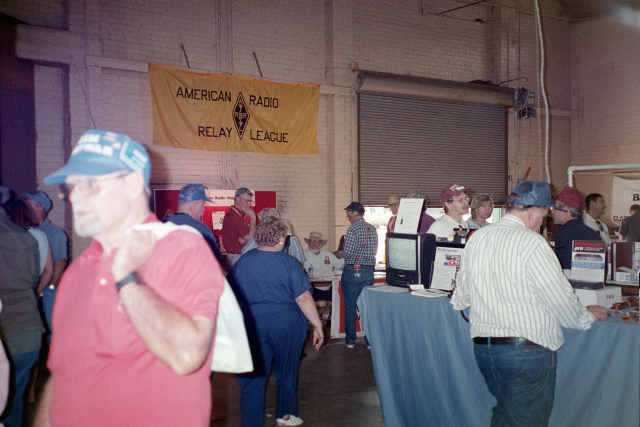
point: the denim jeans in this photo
(21, 365)
(48, 298)
(281, 337)
(353, 282)
(522, 379)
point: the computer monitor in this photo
(410, 258)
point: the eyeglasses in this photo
(87, 185)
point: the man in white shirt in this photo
(320, 263)
(520, 300)
(456, 205)
(594, 208)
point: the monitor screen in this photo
(402, 253)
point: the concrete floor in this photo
(336, 387)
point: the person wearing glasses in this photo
(134, 318)
(567, 212)
(236, 232)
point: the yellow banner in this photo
(223, 112)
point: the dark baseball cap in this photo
(355, 207)
(39, 197)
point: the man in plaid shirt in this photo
(360, 246)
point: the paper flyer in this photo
(445, 267)
(409, 213)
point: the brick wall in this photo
(605, 99)
(304, 41)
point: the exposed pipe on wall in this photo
(573, 169)
(544, 91)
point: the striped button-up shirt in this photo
(360, 244)
(514, 284)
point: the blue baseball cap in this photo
(531, 193)
(100, 152)
(192, 192)
(40, 197)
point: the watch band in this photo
(129, 278)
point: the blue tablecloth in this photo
(426, 372)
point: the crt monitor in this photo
(408, 258)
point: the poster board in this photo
(625, 192)
(409, 214)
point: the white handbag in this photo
(231, 351)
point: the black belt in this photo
(503, 341)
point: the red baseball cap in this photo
(570, 197)
(451, 191)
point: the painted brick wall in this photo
(49, 85)
(297, 41)
(605, 98)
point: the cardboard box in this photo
(605, 297)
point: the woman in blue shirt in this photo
(276, 295)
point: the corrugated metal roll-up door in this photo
(421, 144)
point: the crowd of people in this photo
(134, 320)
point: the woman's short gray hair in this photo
(270, 231)
(268, 212)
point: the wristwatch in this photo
(129, 278)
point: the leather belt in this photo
(503, 341)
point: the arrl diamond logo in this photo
(240, 115)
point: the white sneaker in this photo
(350, 346)
(289, 420)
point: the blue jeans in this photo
(48, 297)
(353, 282)
(523, 381)
(280, 337)
(21, 365)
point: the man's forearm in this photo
(308, 307)
(252, 228)
(42, 413)
(182, 342)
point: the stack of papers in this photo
(430, 293)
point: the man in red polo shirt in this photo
(235, 230)
(135, 313)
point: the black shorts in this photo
(320, 295)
